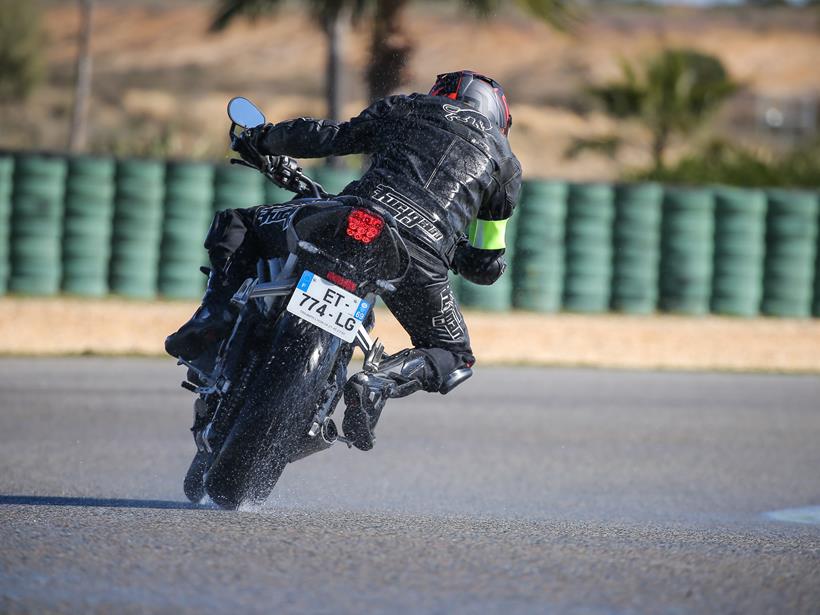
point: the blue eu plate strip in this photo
(361, 311)
(305, 281)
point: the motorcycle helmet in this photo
(485, 95)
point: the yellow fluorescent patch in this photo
(488, 234)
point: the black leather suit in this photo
(436, 164)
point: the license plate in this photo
(328, 306)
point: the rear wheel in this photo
(275, 416)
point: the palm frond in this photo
(607, 146)
(560, 14)
(228, 10)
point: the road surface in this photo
(524, 491)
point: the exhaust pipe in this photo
(325, 438)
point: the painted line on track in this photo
(808, 514)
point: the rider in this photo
(441, 166)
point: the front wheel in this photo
(194, 484)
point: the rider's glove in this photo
(246, 144)
(478, 266)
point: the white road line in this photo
(809, 514)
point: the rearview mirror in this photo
(244, 113)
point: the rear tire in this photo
(242, 473)
(275, 416)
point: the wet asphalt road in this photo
(525, 491)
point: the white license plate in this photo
(328, 306)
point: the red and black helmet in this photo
(480, 92)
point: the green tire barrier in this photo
(135, 244)
(496, 297)
(687, 248)
(816, 305)
(189, 194)
(6, 183)
(740, 240)
(636, 242)
(89, 209)
(791, 250)
(135, 227)
(274, 195)
(538, 275)
(333, 180)
(237, 187)
(36, 224)
(588, 244)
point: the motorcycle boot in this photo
(211, 322)
(366, 393)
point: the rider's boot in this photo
(210, 323)
(366, 393)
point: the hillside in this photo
(162, 81)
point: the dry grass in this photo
(117, 326)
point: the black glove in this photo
(246, 144)
(478, 266)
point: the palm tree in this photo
(390, 48)
(673, 93)
(329, 15)
(78, 133)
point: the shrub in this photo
(725, 163)
(21, 45)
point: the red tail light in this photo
(348, 285)
(364, 226)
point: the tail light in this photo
(364, 226)
(345, 283)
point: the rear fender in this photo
(324, 226)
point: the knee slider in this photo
(455, 378)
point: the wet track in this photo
(526, 491)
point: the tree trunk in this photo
(78, 135)
(334, 26)
(660, 140)
(390, 50)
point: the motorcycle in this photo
(266, 393)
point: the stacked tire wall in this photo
(538, 278)
(740, 247)
(36, 225)
(637, 248)
(236, 187)
(137, 230)
(87, 225)
(96, 226)
(791, 249)
(588, 244)
(189, 194)
(687, 248)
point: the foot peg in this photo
(374, 357)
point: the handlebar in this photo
(283, 171)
